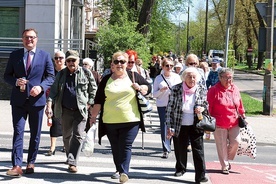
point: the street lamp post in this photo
(206, 29)
(230, 21)
(269, 77)
(188, 29)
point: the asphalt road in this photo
(252, 84)
(146, 165)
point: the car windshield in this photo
(218, 54)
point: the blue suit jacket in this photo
(41, 74)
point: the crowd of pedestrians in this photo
(73, 97)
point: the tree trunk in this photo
(145, 16)
(260, 60)
(260, 54)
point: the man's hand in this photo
(36, 90)
(21, 82)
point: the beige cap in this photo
(72, 54)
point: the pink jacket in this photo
(221, 105)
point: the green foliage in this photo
(231, 61)
(251, 105)
(244, 67)
(121, 12)
(112, 38)
(163, 34)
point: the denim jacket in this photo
(85, 90)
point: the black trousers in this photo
(180, 149)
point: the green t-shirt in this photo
(121, 105)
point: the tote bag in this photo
(248, 142)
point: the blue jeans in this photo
(166, 143)
(152, 84)
(121, 137)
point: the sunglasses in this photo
(119, 61)
(56, 58)
(71, 60)
(131, 62)
(169, 66)
(192, 63)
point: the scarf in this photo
(187, 90)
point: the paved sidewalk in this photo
(263, 126)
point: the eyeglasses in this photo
(119, 61)
(227, 78)
(169, 66)
(192, 63)
(131, 62)
(56, 58)
(71, 60)
(29, 37)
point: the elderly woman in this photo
(178, 67)
(55, 127)
(161, 90)
(225, 104)
(120, 116)
(193, 61)
(132, 57)
(187, 99)
(89, 64)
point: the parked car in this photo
(219, 54)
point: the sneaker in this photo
(225, 171)
(165, 155)
(123, 178)
(116, 175)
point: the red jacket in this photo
(223, 104)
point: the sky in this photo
(183, 16)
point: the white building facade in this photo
(61, 24)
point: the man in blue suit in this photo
(30, 72)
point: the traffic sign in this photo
(261, 7)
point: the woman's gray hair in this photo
(61, 53)
(88, 61)
(193, 70)
(192, 57)
(225, 70)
